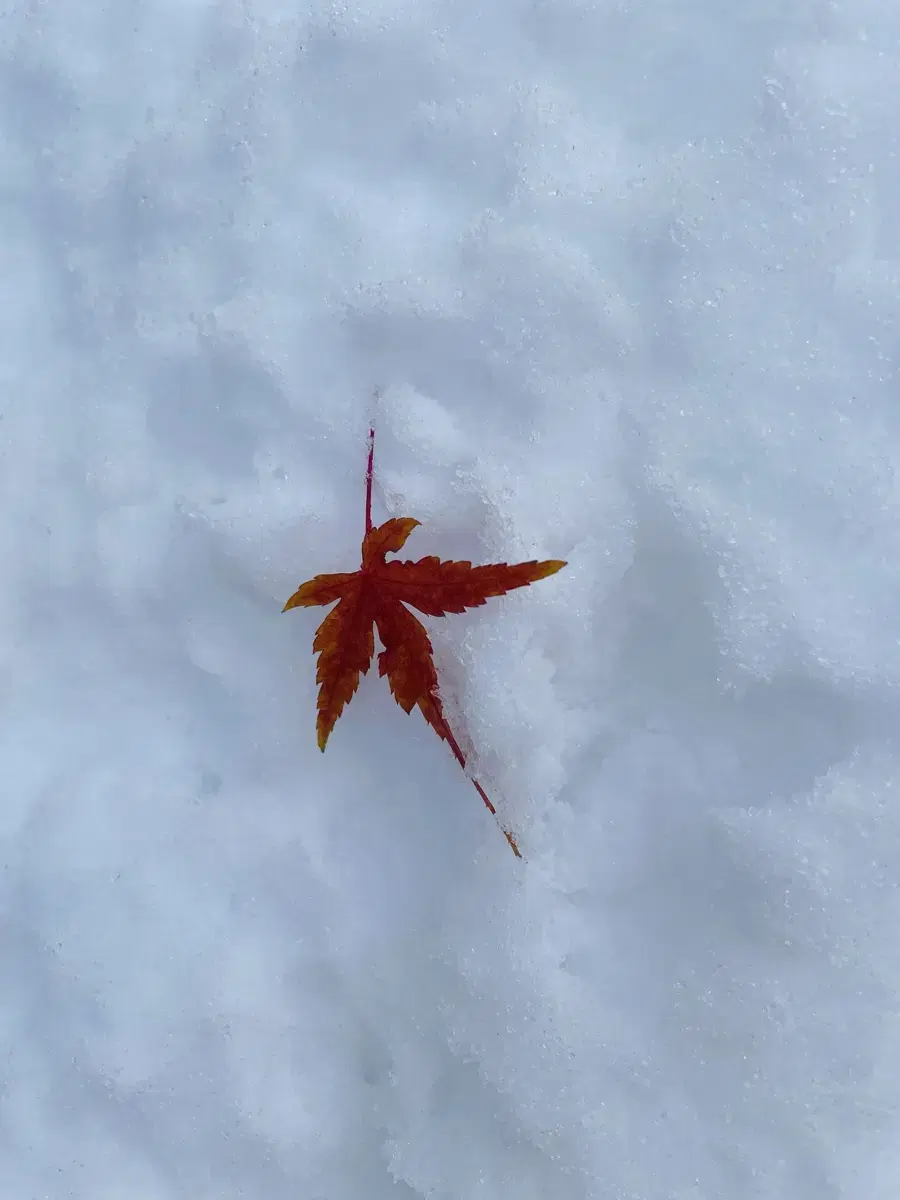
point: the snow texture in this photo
(627, 277)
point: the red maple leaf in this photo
(375, 597)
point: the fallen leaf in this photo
(376, 597)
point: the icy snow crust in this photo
(627, 276)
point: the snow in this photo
(626, 279)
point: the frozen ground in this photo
(628, 277)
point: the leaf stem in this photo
(369, 477)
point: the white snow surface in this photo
(627, 278)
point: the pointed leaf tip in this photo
(437, 587)
(321, 589)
